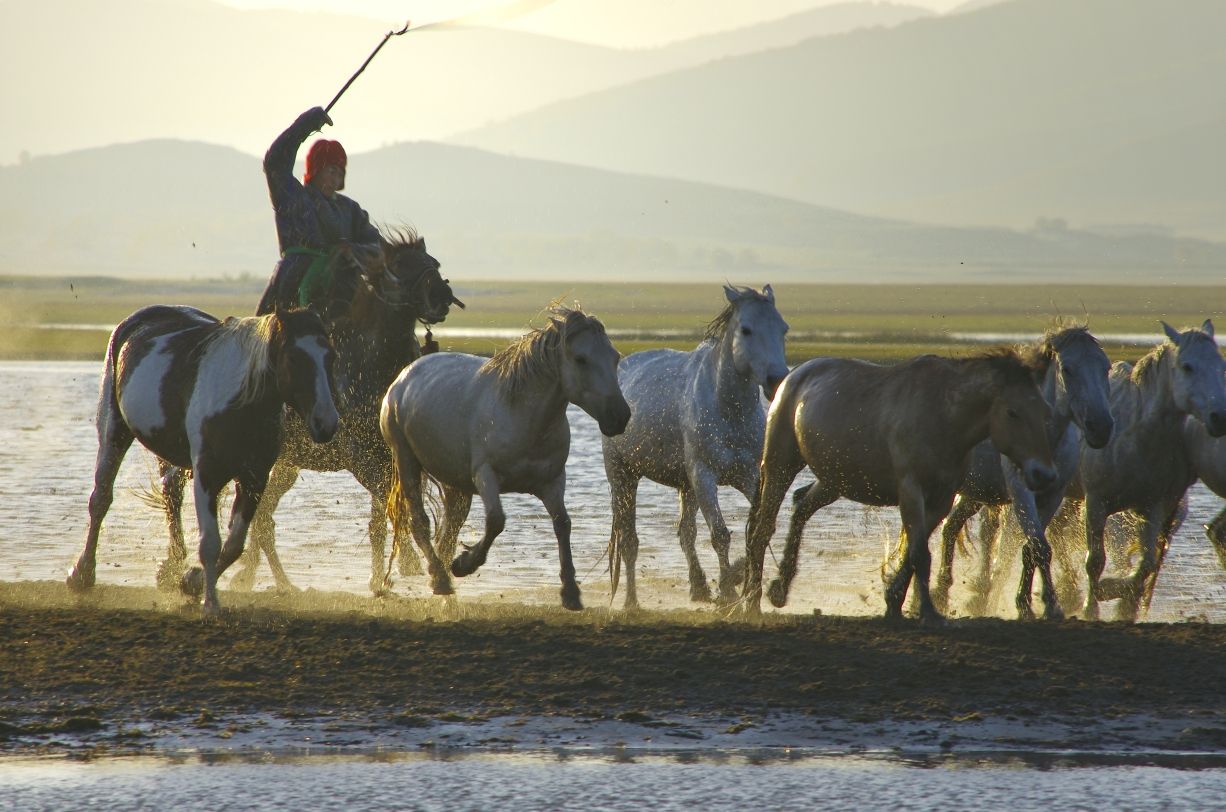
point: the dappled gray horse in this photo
(899, 435)
(697, 423)
(1146, 468)
(1075, 387)
(1208, 456)
(495, 426)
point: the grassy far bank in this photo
(45, 317)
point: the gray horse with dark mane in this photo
(374, 338)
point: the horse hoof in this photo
(570, 598)
(933, 620)
(465, 563)
(79, 581)
(701, 593)
(192, 583)
(442, 588)
(776, 595)
(1053, 612)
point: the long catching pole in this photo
(358, 73)
(493, 16)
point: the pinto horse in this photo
(209, 396)
(899, 435)
(697, 423)
(374, 337)
(488, 427)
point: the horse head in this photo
(1017, 420)
(588, 371)
(755, 330)
(304, 359)
(413, 280)
(1083, 387)
(1197, 383)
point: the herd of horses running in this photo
(1035, 431)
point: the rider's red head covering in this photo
(322, 153)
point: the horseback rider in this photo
(312, 220)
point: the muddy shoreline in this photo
(127, 669)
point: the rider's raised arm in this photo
(279, 160)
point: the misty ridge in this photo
(1025, 140)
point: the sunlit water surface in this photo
(609, 782)
(48, 444)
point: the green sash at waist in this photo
(317, 278)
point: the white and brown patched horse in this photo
(498, 425)
(898, 435)
(209, 396)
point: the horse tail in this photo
(432, 492)
(395, 514)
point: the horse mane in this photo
(535, 354)
(401, 236)
(1012, 365)
(251, 337)
(718, 326)
(1040, 354)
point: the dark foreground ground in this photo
(127, 669)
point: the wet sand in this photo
(127, 669)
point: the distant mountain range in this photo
(179, 209)
(81, 73)
(1109, 114)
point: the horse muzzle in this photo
(1039, 477)
(772, 385)
(323, 424)
(1098, 432)
(615, 419)
(1215, 423)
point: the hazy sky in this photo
(641, 23)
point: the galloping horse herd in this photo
(1039, 429)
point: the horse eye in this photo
(1187, 368)
(581, 360)
(1069, 371)
(745, 331)
(1013, 415)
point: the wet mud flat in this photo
(127, 669)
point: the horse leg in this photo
(781, 462)
(1096, 556)
(114, 440)
(553, 498)
(991, 534)
(469, 561)
(964, 509)
(263, 533)
(171, 569)
(203, 579)
(1216, 532)
(915, 509)
(1176, 519)
(407, 490)
(1064, 534)
(407, 562)
(812, 500)
(1045, 507)
(246, 502)
(687, 534)
(623, 537)
(1131, 588)
(706, 492)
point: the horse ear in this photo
(768, 293)
(1207, 327)
(730, 293)
(1171, 332)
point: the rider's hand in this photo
(317, 118)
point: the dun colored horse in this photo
(697, 423)
(209, 396)
(1075, 387)
(899, 435)
(489, 427)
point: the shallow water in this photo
(48, 444)
(568, 780)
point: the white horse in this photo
(489, 427)
(1209, 462)
(899, 435)
(1146, 468)
(1075, 387)
(697, 424)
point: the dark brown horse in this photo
(374, 338)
